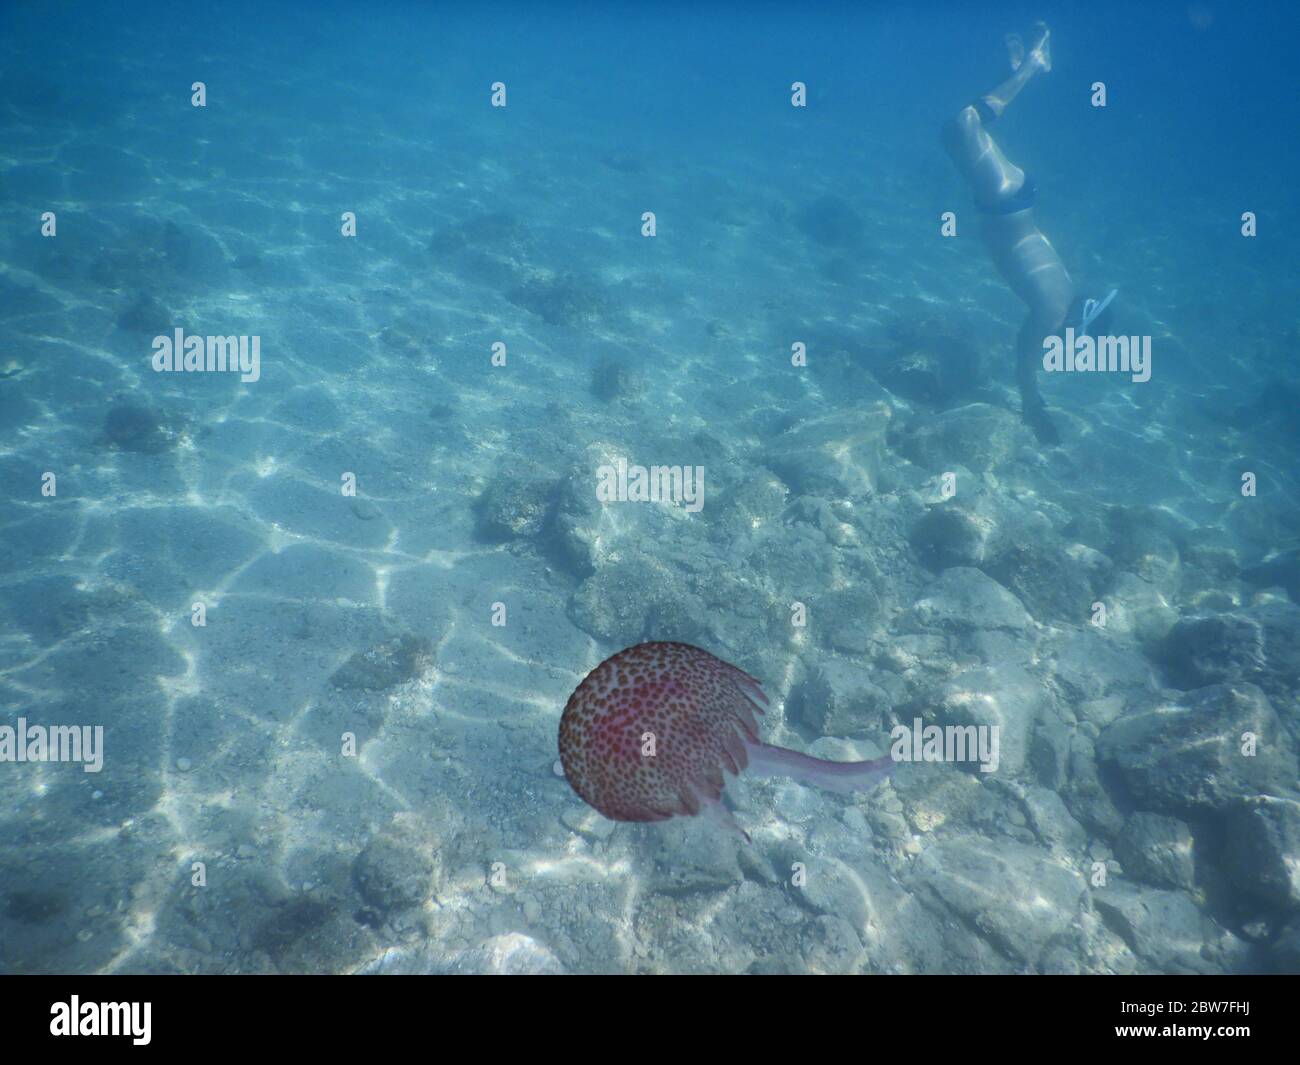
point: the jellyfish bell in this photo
(650, 732)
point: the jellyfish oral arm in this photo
(720, 815)
(768, 761)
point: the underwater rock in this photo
(935, 370)
(578, 523)
(496, 233)
(385, 665)
(1015, 544)
(1018, 897)
(1181, 754)
(969, 525)
(406, 961)
(829, 885)
(492, 249)
(613, 378)
(567, 299)
(392, 875)
(965, 600)
(585, 534)
(840, 698)
(832, 520)
(400, 341)
(513, 507)
(916, 375)
(33, 907)
(1168, 932)
(306, 934)
(952, 534)
(1161, 927)
(512, 954)
(692, 859)
(1148, 552)
(1056, 579)
(1048, 580)
(830, 945)
(1263, 850)
(791, 557)
(1260, 645)
(1157, 850)
(943, 800)
(1285, 953)
(364, 509)
(504, 955)
(837, 454)
(850, 617)
(130, 427)
(1279, 570)
(1004, 696)
(1083, 792)
(742, 615)
(153, 256)
(978, 436)
(754, 502)
(1052, 822)
(636, 601)
(1049, 751)
(1135, 606)
(293, 918)
(1089, 664)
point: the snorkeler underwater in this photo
(649, 489)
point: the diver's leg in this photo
(1038, 60)
(1029, 358)
(990, 174)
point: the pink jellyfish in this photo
(648, 732)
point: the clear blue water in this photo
(327, 619)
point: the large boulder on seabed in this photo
(1157, 850)
(1189, 755)
(963, 599)
(979, 436)
(1264, 849)
(1167, 930)
(837, 455)
(1260, 645)
(1020, 898)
